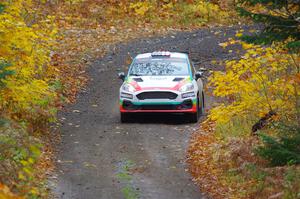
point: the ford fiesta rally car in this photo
(162, 82)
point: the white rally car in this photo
(162, 82)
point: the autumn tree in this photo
(281, 20)
(265, 81)
(25, 49)
(3, 65)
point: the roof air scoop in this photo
(177, 79)
(138, 79)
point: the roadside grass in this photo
(23, 165)
(125, 177)
(237, 127)
(130, 193)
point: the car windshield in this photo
(159, 67)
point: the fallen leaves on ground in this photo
(230, 169)
(5, 193)
(206, 173)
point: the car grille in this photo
(157, 95)
(158, 107)
(187, 104)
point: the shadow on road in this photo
(159, 118)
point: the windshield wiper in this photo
(133, 74)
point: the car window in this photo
(159, 67)
(192, 66)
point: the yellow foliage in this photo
(211, 11)
(5, 193)
(26, 46)
(264, 80)
(141, 8)
(179, 12)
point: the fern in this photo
(285, 149)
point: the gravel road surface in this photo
(100, 158)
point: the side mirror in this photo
(122, 76)
(200, 73)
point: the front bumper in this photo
(178, 105)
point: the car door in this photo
(198, 81)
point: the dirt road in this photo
(100, 158)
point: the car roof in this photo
(171, 55)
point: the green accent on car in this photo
(194, 101)
(156, 103)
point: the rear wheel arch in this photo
(203, 99)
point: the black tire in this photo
(202, 105)
(194, 117)
(124, 117)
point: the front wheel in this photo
(124, 117)
(194, 117)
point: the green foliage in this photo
(255, 172)
(130, 193)
(282, 150)
(125, 176)
(123, 173)
(2, 7)
(4, 72)
(19, 154)
(294, 45)
(292, 183)
(280, 18)
(2, 122)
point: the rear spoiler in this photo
(185, 52)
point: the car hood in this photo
(158, 82)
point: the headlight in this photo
(128, 88)
(189, 94)
(187, 87)
(126, 95)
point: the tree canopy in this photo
(280, 18)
